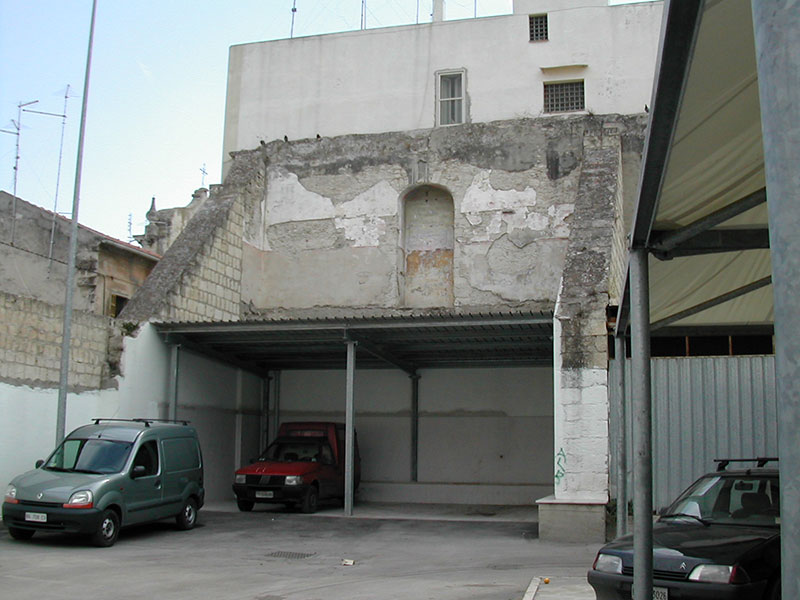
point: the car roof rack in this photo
(722, 463)
(145, 421)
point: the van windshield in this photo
(89, 456)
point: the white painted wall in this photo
(477, 427)
(381, 80)
(214, 397)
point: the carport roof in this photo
(405, 341)
(701, 209)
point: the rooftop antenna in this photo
(130, 227)
(203, 178)
(363, 14)
(417, 12)
(63, 116)
(17, 131)
(294, 11)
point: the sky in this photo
(156, 98)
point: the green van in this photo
(110, 474)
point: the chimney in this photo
(438, 10)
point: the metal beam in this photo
(174, 372)
(414, 426)
(642, 423)
(727, 297)
(349, 431)
(679, 31)
(385, 355)
(667, 240)
(621, 439)
(710, 242)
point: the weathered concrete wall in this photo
(30, 345)
(333, 228)
(35, 264)
(348, 83)
(220, 401)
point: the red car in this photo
(305, 464)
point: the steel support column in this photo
(174, 366)
(414, 427)
(276, 404)
(776, 24)
(620, 442)
(349, 430)
(642, 432)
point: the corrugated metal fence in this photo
(703, 408)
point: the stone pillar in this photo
(576, 511)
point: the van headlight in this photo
(711, 573)
(11, 495)
(81, 499)
(294, 479)
(608, 563)
(240, 478)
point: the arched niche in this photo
(428, 245)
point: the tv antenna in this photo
(294, 12)
(203, 178)
(17, 132)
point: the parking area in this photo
(275, 554)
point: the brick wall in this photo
(30, 344)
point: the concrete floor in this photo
(442, 553)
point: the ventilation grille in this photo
(564, 97)
(538, 27)
(290, 555)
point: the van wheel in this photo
(245, 505)
(187, 518)
(310, 500)
(20, 534)
(107, 529)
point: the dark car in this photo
(720, 539)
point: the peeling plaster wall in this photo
(329, 231)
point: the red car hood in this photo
(278, 468)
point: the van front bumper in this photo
(55, 518)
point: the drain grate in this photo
(290, 555)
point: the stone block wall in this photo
(30, 345)
(210, 290)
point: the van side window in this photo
(326, 455)
(180, 454)
(147, 457)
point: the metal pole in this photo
(348, 429)
(276, 408)
(776, 24)
(414, 426)
(620, 445)
(61, 411)
(642, 432)
(18, 127)
(174, 363)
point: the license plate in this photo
(265, 494)
(36, 517)
(659, 593)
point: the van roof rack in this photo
(145, 421)
(722, 463)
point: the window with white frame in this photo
(450, 97)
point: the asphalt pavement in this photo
(383, 551)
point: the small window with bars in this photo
(450, 101)
(564, 97)
(538, 27)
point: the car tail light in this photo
(739, 575)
